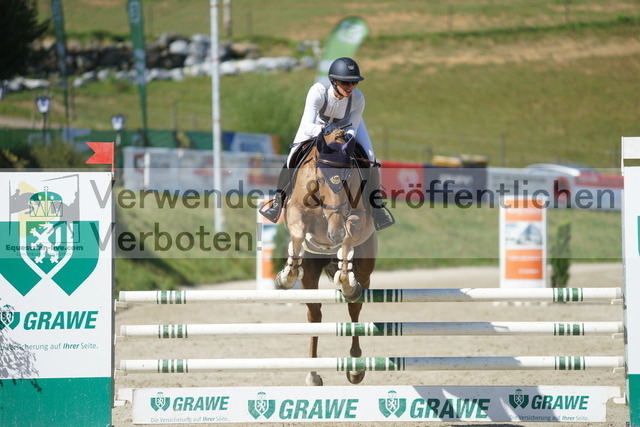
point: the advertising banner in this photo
(56, 299)
(343, 41)
(373, 403)
(134, 9)
(523, 243)
(57, 13)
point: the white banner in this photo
(371, 403)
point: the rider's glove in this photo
(328, 129)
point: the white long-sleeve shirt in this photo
(312, 121)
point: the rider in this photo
(334, 110)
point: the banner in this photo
(134, 9)
(343, 41)
(417, 404)
(56, 313)
(61, 52)
(523, 242)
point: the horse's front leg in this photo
(355, 377)
(351, 289)
(292, 271)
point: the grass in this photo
(424, 237)
(517, 81)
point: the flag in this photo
(103, 153)
(61, 51)
(134, 9)
(343, 41)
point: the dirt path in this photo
(591, 275)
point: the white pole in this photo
(520, 363)
(215, 107)
(372, 329)
(329, 296)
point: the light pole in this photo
(117, 122)
(44, 103)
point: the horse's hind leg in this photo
(364, 265)
(314, 268)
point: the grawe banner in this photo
(372, 403)
(134, 10)
(61, 51)
(343, 41)
(56, 292)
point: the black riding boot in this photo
(273, 208)
(382, 217)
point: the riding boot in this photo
(382, 217)
(273, 208)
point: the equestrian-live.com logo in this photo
(47, 243)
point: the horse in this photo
(330, 225)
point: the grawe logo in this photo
(43, 244)
(160, 402)
(519, 399)
(9, 317)
(392, 405)
(261, 407)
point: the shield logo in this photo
(261, 407)
(9, 317)
(518, 399)
(42, 246)
(160, 402)
(392, 405)
(46, 243)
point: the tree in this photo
(18, 28)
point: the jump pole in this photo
(371, 329)
(329, 296)
(519, 363)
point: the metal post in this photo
(215, 106)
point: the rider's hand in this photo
(329, 129)
(337, 134)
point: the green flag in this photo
(134, 9)
(61, 51)
(343, 41)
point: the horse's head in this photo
(338, 187)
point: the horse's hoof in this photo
(283, 284)
(355, 377)
(314, 379)
(355, 294)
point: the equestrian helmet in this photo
(345, 70)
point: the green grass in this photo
(424, 237)
(443, 77)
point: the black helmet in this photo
(345, 70)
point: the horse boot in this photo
(273, 208)
(382, 217)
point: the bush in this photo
(560, 258)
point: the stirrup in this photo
(271, 212)
(382, 218)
